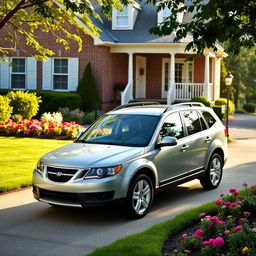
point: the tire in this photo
(139, 197)
(212, 178)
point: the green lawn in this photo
(18, 157)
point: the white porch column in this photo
(206, 76)
(130, 67)
(171, 91)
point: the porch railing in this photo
(126, 95)
(187, 91)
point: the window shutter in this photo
(72, 74)
(31, 73)
(47, 75)
(5, 74)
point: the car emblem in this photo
(58, 174)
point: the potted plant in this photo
(118, 88)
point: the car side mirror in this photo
(167, 141)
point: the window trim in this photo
(60, 74)
(18, 73)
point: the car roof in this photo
(155, 110)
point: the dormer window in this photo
(122, 17)
(166, 13)
(125, 19)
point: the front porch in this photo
(169, 77)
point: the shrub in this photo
(16, 118)
(5, 108)
(240, 111)
(52, 117)
(90, 117)
(202, 99)
(88, 90)
(52, 101)
(218, 111)
(249, 107)
(24, 103)
(223, 101)
(76, 115)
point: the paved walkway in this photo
(29, 228)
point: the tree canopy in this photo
(211, 21)
(22, 19)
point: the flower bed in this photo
(232, 231)
(31, 128)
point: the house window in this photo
(179, 72)
(166, 13)
(60, 74)
(122, 17)
(18, 73)
(166, 76)
(184, 72)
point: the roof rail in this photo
(189, 104)
(134, 104)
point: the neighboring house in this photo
(152, 67)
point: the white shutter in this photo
(47, 75)
(31, 73)
(5, 74)
(72, 74)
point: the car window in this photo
(125, 130)
(209, 118)
(202, 121)
(192, 122)
(172, 127)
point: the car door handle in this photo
(208, 139)
(184, 148)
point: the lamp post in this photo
(228, 82)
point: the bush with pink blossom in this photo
(33, 127)
(232, 231)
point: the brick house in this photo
(151, 67)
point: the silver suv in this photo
(131, 152)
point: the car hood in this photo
(80, 155)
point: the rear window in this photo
(192, 122)
(210, 120)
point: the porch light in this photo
(228, 82)
(228, 79)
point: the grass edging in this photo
(150, 242)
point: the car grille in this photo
(60, 174)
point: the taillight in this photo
(226, 132)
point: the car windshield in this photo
(125, 130)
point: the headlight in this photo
(102, 172)
(40, 167)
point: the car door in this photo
(173, 161)
(197, 139)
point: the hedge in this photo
(51, 100)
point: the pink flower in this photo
(27, 132)
(198, 232)
(218, 202)
(227, 204)
(246, 214)
(202, 214)
(233, 204)
(235, 193)
(221, 195)
(241, 220)
(218, 242)
(232, 190)
(237, 228)
(245, 185)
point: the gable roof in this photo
(146, 19)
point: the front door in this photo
(140, 77)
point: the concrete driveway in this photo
(29, 228)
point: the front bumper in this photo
(75, 199)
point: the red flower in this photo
(218, 202)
